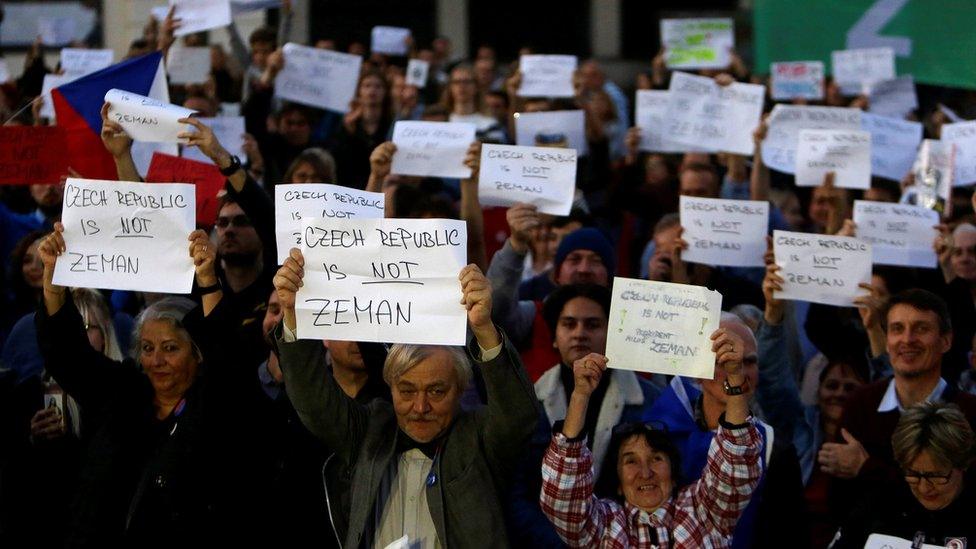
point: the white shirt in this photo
(890, 400)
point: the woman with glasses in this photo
(464, 102)
(648, 506)
(935, 446)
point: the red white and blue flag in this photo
(78, 106)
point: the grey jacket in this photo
(472, 469)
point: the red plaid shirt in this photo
(703, 514)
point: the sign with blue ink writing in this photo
(542, 176)
(383, 280)
(820, 268)
(299, 201)
(662, 327)
(797, 80)
(127, 236)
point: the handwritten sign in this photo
(186, 65)
(846, 153)
(417, 71)
(200, 15)
(229, 130)
(294, 203)
(126, 236)
(963, 136)
(566, 129)
(899, 234)
(431, 148)
(542, 176)
(662, 327)
(390, 40)
(205, 178)
(697, 43)
(383, 280)
(797, 80)
(32, 154)
(702, 113)
(318, 78)
(820, 268)
(50, 82)
(724, 232)
(4, 71)
(56, 31)
(145, 118)
(856, 71)
(79, 62)
(933, 177)
(895, 98)
(649, 116)
(785, 123)
(547, 75)
(894, 143)
(882, 541)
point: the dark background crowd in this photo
(843, 442)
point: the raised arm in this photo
(505, 274)
(759, 178)
(471, 212)
(323, 407)
(778, 393)
(119, 145)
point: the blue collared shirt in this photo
(890, 400)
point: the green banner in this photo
(934, 40)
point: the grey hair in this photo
(749, 314)
(173, 310)
(402, 357)
(963, 228)
(94, 310)
(731, 318)
(937, 428)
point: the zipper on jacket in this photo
(328, 503)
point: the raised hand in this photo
(116, 141)
(728, 348)
(771, 284)
(205, 139)
(204, 255)
(476, 298)
(587, 372)
(381, 159)
(472, 159)
(522, 219)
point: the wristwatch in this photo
(231, 169)
(733, 390)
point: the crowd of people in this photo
(142, 420)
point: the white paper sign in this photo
(797, 80)
(547, 75)
(4, 71)
(724, 232)
(390, 40)
(417, 70)
(200, 15)
(542, 176)
(697, 43)
(145, 118)
(702, 113)
(299, 201)
(79, 61)
(383, 280)
(963, 136)
(894, 143)
(56, 31)
(229, 130)
(52, 81)
(242, 6)
(899, 234)
(649, 116)
(566, 129)
(186, 65)
(785, 123)
(846, 153)
(821, 268)
(127, 236)
(662, 327)
(933, 172)
(856, 71)
(881, 541)
(431, 148)
(895, 98)
(318, 78)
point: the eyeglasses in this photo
(935, 479)
(635, 427)
(833, 385)
(240, 220)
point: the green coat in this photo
(472, 471)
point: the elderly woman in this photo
(166, 464)
(935, 446)
(650, 508)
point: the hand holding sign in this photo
(476, 298)
(144, 118)
(116, 141)
(822, 269)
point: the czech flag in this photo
(78, 106)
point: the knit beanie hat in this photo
(586, 238)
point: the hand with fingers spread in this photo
(771, 284)
(476, 298)
(47, 424)
(204, 255)
(205, 139)
(116, 141)
(842, 459)
(287, 281)
(522, 220)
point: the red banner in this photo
(165, 168)
(32, 154)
